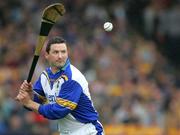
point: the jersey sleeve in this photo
(39, 95)
(66, 102)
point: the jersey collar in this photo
(66, 65)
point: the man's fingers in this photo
(24, 91)
(17, 98)
(26, 86)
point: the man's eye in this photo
(55, 52)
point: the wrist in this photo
(32, 105)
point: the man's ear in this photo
(46, 55)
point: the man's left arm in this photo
(66, 102)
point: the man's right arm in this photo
(35, 92)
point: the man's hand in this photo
(27, 87)
(25, 99)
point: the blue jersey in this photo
(68, 98)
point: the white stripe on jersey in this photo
(79, 77)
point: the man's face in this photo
(57, 55)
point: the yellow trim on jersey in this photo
(42, 98)
(64, 77)
(66, 103)
(46, 74)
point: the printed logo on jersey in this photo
(52, 86)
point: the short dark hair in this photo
(54, 40)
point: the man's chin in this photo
(60, 66)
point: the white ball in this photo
(108, 26)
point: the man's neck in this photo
(54, 70)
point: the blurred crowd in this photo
(132, 71)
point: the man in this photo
(61, 93)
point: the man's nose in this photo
(60, 55)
